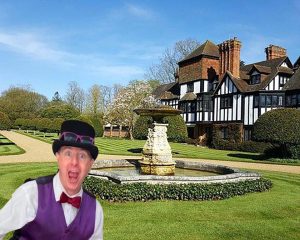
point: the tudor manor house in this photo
(213, 89)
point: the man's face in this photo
(74, 164)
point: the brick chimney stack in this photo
(230, 56)
(273, 52)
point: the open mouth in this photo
(73, 176)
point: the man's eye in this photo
(68, 153)
(82, 156)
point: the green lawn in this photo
(116, 146)
(9, 148)
(268, 215)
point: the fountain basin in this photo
(227, 174)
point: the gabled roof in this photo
(297, 63)
(261, 69)
(240, 84)
(167, 90)
(272, 66)
(294, 82)
(190, 96)
(206, 49)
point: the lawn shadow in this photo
(260, 157)
(173, 152)
(135, 150)
(7, 143)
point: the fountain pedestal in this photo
(157, 155)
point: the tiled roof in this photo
(207, 49)
(163, 88)
(261, 69)
(168, 95)
(270, 68)
(294, 82)
(190, 96)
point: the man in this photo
(56, 207)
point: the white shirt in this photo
(22, 208)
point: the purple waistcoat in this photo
(50, 224)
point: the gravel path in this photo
(38, 151)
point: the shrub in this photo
(97, 122)
(255, 147)
(140, 129)
(59, 110)
(5, 123)
(107, 190)
(234, 137)
(177, 131)
(282, 127)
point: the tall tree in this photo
(75, 96)
(18, 102)
(165, 70)
(95, 100)
(120, 112)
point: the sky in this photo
(46, 44)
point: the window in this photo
(193, 107)
(190, 87)
(204, 103)
(247, 135)
(271, 101)
(255, 79)
(275, 100)
(226, 101)
(224, 132)
(256, 101)
(268, 101)
(288, 100)
(262, 101)
(294, 100)
(281, 81)
(280, 101)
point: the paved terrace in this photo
(38, 151)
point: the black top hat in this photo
(76, 133)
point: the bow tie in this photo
(75, 201)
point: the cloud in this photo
(28, 44)
(31, 45)
(139, 11)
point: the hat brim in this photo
(57, 144)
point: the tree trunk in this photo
(130, 133)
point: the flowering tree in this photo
(120, 111)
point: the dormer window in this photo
(190, 87)
(255, 79)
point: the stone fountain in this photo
(157, 165)
(157, 153)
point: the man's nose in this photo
(75, 159)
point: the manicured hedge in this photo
(282, 127)
(107, 190)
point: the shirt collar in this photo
(58, 188)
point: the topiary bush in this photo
(107, 190)
(177, 131)
(281, 127)
(140, 129)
